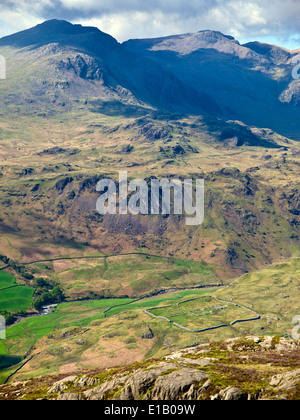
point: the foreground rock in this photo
(253, 368)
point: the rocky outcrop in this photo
(105, 390)
(181, 384)
(153, 133)
(62, 183)
(141, 382)
(148, 334)
(286, 381)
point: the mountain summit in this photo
(58, 31)
(188, 43)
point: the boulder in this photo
(62, 385)
(230, 394)
(174, 385)
(106, 389)
(286, 381)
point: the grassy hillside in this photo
(133, 275)
(6, 280)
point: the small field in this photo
(6, 280)
(14, 297)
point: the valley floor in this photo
(109, 333)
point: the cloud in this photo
(124, 19)
(16, 15)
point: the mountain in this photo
(76, 54)
(204, 73)
(251, 82)
(189, 43)
(59, 31)
(277, 54)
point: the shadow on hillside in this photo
(231, 132)
(8, 361)
(118, 109)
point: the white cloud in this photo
(126, 19)
(13, 21)
(16, 15)
(140, 25)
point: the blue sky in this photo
(273, 21)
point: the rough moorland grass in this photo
(202, 313)
(273, 292)
(139, 275)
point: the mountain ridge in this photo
(191, 42)
(202, 73)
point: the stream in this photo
(46, 310)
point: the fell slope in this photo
(237, 369)
(77, 107)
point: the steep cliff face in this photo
(237, 369)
